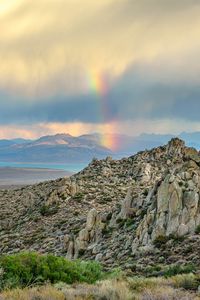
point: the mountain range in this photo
(59, 148)
(65, 148)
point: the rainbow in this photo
(97, 83)
(110, 140)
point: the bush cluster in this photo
(160, 241)
(46, 210)
(178, 269)
(197, 230)
(25, 269)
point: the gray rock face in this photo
(91, 219)
(175, 211)
(90, 234)
(127, 209)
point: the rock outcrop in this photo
(174, 209)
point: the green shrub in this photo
(160, 241)
(188, 249)
(115, 273)
(105, 231)
(143, 212)
(176, 238)
(121, 222)
(78, 197)
(145, 192)
(130, 222)
(178, 269)
(197, 230)
(186, 185)
(153, 270)
(24, 269)
(46, 210)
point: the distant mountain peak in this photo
(59, 148)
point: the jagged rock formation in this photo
(174, 207)
(112, 211)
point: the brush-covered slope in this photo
(136, 212)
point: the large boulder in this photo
(91, 233)
(91, 219)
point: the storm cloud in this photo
(129, 99)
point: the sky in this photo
(109, 66)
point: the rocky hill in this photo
(137, 212)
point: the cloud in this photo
(50, 43)
(33, 131)
(136, 95)
(58, 108)
(132, 128)
(49, 50)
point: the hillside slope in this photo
(136, 212)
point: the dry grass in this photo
(113, 289)
(103, 290)
(174, 288)
(43, 293)
(139, 284)
(185, 281)
(166, 293)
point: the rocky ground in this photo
(139, 212)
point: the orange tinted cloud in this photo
(131, 128)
